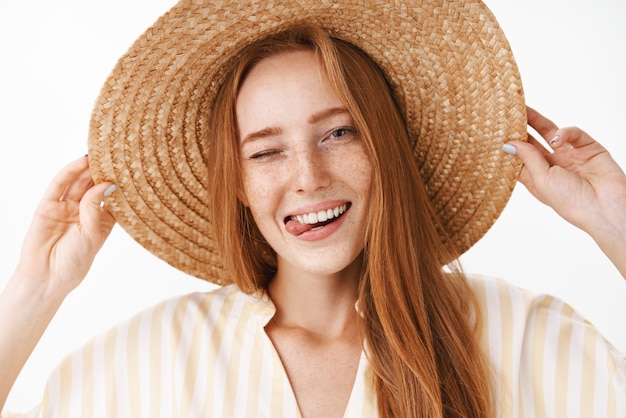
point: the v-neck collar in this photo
(362, 400)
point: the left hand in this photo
(580, 181)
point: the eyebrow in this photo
(325, 114)
(276, 130)
(263, 133)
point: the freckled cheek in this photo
(359, 169)
(259, 193)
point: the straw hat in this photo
(451, 67)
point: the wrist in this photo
(611, 238)
(31, 295)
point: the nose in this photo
(310, 171)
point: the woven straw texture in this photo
(449, 62)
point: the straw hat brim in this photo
(452, 71)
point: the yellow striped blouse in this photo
(207, 355)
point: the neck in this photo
(318, 303)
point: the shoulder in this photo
(169, 320)
(494, 291)
(509, 311)
(189, 320)
(504, 304)
(182, 313)
(162, 343)
(515, 310)
(546, 354)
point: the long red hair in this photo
(420, 323)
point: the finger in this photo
(93, 217)
(535, 163)
(59, 186)
(573, 136)
(544, 126)
(540, 145)
(77, 188)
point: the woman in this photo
(324, 208)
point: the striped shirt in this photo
(207, 355)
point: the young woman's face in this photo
(306, 172)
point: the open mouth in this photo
(297, 224)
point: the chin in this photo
(324, 265)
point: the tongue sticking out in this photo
(296, 228)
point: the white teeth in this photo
(321, 216)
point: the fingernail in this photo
(555, 139)
(509, 149)
(109, 190)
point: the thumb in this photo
(94, 218)
(535, 167)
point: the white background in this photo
(54, 56)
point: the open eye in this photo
(342, 133)
(339, 132)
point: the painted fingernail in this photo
(109, 190)
(554, 140)
(509, 149)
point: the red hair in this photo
(421, 324)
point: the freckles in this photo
(363, 167)
(358, 165)
(258, 192)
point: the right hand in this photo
(68, 229)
